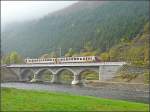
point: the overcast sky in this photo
(12, 11)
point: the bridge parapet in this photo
(66, 64)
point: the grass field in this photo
(27, 100)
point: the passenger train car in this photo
(85, 59)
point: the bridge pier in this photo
(55, 78)
(35, 78)
(76, 80)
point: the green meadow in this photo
(29, 100)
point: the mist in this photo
(19, 11)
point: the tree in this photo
(146, 54)
(88, 46)
(125, 40)
(45, 56)
(113, 54)
(104, 56)
(70, 53)
(15, 58)
(53, 55)
(6, 60)
(12, 58)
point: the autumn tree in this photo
(104, 56)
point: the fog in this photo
(18, 11)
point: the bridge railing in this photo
(66, 64)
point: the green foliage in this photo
(147, 77)
(6, 60)
(125, 40)
(87, 54)
(12, 58)
(89, 75)
(128, 77)
(28, 100)
(135, 51)
(70, 53)
(88, 47)
(104, 56)
(146, 28)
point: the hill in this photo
(104, 24)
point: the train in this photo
(81, 59)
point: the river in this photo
(128, 95)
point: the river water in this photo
(128, 95)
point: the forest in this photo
(84, 26)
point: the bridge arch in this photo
(68, 69)
(44, 74)
(89, 74)
(43, 70)
(65, 75)
(27, 74)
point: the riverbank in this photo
(29, 100)
(103, 92)
(118, 85)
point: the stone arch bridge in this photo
(106, 70)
